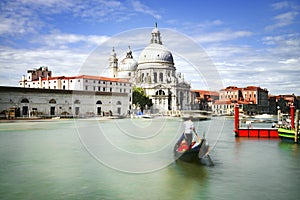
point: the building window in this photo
(161, 77)
(120, 90)
(99, 88)
(103, 89)
(86, 81)
(25, 100)
(155, 77)
(110, 83)
(52, 101)
(86, 87)
(110, 89)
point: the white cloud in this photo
(282, 20)
(139, 7)
(221, 36)
(15, 62)
(280, 5)
(62, 39)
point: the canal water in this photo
(132, 159)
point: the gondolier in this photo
(189, 129)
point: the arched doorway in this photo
(25, 106)
(98, 105)
(52, 103)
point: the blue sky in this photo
(249, 42)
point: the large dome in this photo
(156, 53)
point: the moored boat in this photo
(288, 134)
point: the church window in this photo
(155, 77)
(160, 92)
(143, 77)
(161, 77)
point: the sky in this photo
(248, 42)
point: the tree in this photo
(139, 98)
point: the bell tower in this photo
(113, 64)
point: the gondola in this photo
(197, 152)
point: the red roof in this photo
(206, 92)
(101, 78)
(222, 102)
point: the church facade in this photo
(155, 72)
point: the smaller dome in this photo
(128, 64)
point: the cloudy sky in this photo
(249, 42)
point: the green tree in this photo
(139, 98)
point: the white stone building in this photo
(35, 102)
(155, 72)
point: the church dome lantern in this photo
(155, 52)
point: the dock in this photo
(252, 132)
(291, 133)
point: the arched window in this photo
(25, 100)
(99, 102)
(76, 101)
(52, 101)
(119, 103)
(160, 92)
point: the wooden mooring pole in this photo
(296, 127)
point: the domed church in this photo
(155, 72)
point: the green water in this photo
(132, 159)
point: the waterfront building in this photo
(203, 99)
(155, 72)
(282, 103)
(35, 102)
(252, 100)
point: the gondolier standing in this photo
(189, 128)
